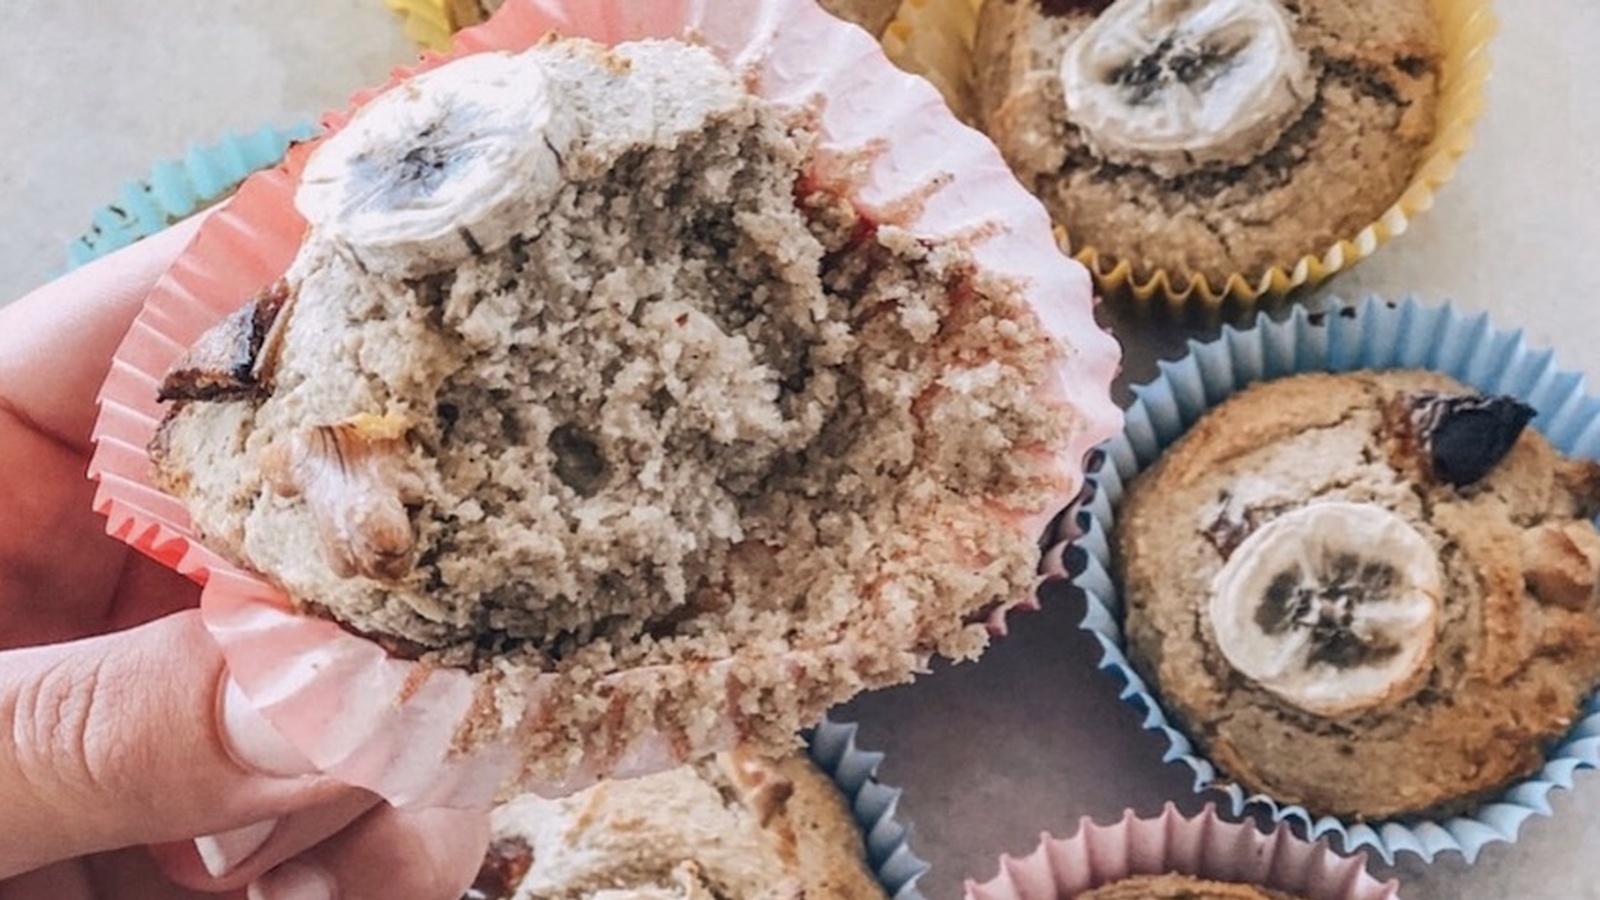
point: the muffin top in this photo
(1210, 137)
(1173, 886)
(588, 366)
(734, 828)
(1369, 594)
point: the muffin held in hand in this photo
(1210, 137)
(1179, 887)
(735, 827)
(1370, 594)
(589, 368)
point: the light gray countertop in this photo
(1033, 737)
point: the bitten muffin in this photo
(588, 367)
(1370, 594)
(738, 827)
(1210, 137)
(1179, 887)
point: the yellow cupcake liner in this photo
(934, 38)
(430, 23)
(944, 35)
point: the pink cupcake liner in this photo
(393, 726)
(1202, 846)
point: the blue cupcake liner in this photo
(832, 746)
(1374, 334)
(176, 189)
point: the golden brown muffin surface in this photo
(1333, 172)
(735, 828)
(1516, 644)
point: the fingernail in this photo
(294, 881)
(251, 739)
(223, 852)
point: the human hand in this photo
(121, 741)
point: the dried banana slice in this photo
(1333, 607)
(1178, 85)
(448, 167)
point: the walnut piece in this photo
(1561, 562)
(356, 478)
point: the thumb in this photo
(118, 740)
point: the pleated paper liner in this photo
(176, 189)
(1375, 334)
(936, 42)
(1202, 846)
(875, 806)
(393, 726)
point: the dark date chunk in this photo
(504, 867)
(1073, 7)
(1466, 436)
(233, 360)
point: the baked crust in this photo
(1513, 657)
(1333, 173)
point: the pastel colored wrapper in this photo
(1375, 334)
(392, 726)
(176, 189)
(875, 806)
(1202, 846)
(925, 41)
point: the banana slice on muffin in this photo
(1178, 85)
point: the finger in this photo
(121, 875)
(117, 740)
(390, 854)
(234, 859)
(69, 329)
(61, 576)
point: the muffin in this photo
(1207, 138)
(737, 826)
(1174, 886)
(589, 379)
(1172, 856)
(1371, 594)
